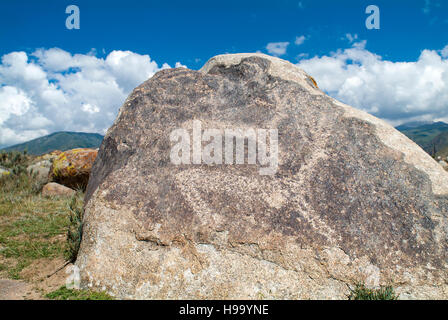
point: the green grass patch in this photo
(36, 227)
(30, 250)
(29, 237)
(71, 294)
(361, 292)
(31, 226)
(74, 232)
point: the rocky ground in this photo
(37, 280)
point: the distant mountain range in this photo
(432, 137)
(59, 141)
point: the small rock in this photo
(55, 189)
(41, 169)
(443, 164)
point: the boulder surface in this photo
(352, 199)
(72, 168)
(40, 170)
(55, 189)
(48, 156)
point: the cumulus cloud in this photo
(277, 48)
(300, 40)
(12, 102)
(395, 91)
(52, 90)
(444, 52)
(301, 56)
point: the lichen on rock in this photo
(353, 200)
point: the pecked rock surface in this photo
(352, 199)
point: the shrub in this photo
(14, 159)
(15, 183)
(74, 232)
(70, 294)
(16, 163)
(361, 292)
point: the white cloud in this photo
(300, 40)
(90, 108)
(301, 56)
(180, 65)
(351, 38)
(12, 102)
(52, 90)
(55, 59)
(395, 91)
(444, 52)
(277, 48)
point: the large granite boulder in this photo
(72, 168)
(351, 199)
(48, 156)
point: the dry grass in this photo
(33, 228)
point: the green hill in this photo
(59, 141)
(440, 145)
(432, 137)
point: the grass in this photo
(74, 232)
(31, 226)
(361, 292)
(14, 160)
(71, 294)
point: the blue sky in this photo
(46, 69)
(191, 30)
